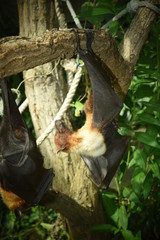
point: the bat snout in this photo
(62, 136)
(61, 142)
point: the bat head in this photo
(62, 136)
(12, 200)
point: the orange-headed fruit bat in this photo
(23, 179)
(98, 142)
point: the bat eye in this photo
(18, 213)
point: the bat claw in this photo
(93, 181)
(89, 35)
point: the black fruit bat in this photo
(23, 179)
(98, 142)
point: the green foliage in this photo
(98, 12)
(37, 223)
(78, 107)
(134, 211)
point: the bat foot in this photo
(90, 36)
(77, 39)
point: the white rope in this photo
(23, 106)
(69, 78)
(70, 66)
(64, 106)
(60, 15)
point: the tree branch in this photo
(21, 53)
(137, 34)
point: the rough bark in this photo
(21, 53)
(137, 34)
(74, 195)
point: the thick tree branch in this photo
(137, 34)
(22, 53)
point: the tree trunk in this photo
(74, 195)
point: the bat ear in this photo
(10, 106)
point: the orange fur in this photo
(87, 140)
(62, 139)
(88, 106)
(66, 139)
(18, 133)
(11, 200)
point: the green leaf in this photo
(92, 11)
(152, 131)
(155, 169)
(154, 106)
(126, 192)
(137, 182)
(47, 226)
(128, 235)
(79, 107)
(147, 139)
(148, 118)
(123, 217)
(111, 208)
(101, 11)
(139, 158)
(143, 91)
(113, 27)
(125, 130)
(104, 228)
(110, 194)
(147, 185)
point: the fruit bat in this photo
(23, 179)
(98, 141)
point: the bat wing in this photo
(29, 180)
(104, 167)
(21, 164)
(106, 103)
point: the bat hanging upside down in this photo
(23, 179)
(98, 142)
